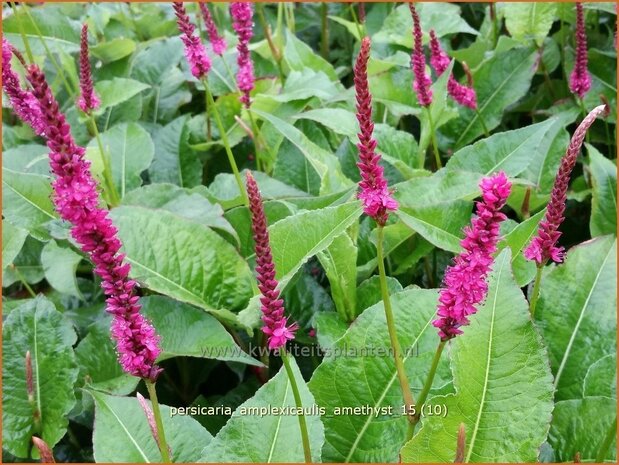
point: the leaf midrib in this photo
(23, 196)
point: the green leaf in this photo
(37, 327)
(299, 56)
(26, 201)
(183, 259)
(368, 292)
(253, 437)
(122, 434)
(509, 151)
(186, 331)
(349, 379)
(579, 426)
(498, 361)
(116, 91)
(604, 201)
(499, 82)
(113, 50)
(27, 263)
(601, 378)
(352, 27)
(576, 312)
(339, 261)
(329, 328)
(529, 21)
(13, 239)
(60, 266)
(131, 152)
(29, 158)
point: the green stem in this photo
(23, 281)
(297, 399)
(277, 55)
(207, 119)
(608, 440)
(536, 289)
(437, 156)
(163, 445)
(113, 199)
(482, 122)
(353, 13)
(23, 35)
(393, 337)
(428, 384)
(259, 144)
(224, 138)
(324, 33)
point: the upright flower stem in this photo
(297, 399)
(23, 35)
(163, 445)
(224, 138)
(437, 156)
(324, 33)
(608, 440)
(113, 198)
(395, 344)
(428, 384)
(536, 289)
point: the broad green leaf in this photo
(329, 328)
(579, 426)
(36, 326)
(369, 294)
(576, 312)
(601, 378)
(306, 85)
(339, 261)
(394, 89)
(325, 163)
(529, 21)
(445, 185)
(299, 56)
(349, 379)
(30, 158)
(113, 50)
(122, 434)
(60, 266)
(499, 82)
(186, 331)
(510, 151)
(131, 151)
(353, 28)
(183, 259)
(13, 239)
(497, 363)
(604, 201)
(27, 264)
(117, 91)
(250, 436)
(26, 201)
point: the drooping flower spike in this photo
(218, 43)
(439, 60)
(374, 192)
(465, 283)
(195, 52)
(543, 246)
(88, 100)
(276, 325)
(25, 105)
(422, 81)
(242, 22)
(580, 80)
(77, 201)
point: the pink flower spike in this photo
(88, 100)
(24, 104)
(242, 22)
(465, 283)
(580, 80)
(194, 49)
(422, 81)
(77, 201)
(374, 194)
(275, 323)
(438, 58)
(543, 246)
(217, 42)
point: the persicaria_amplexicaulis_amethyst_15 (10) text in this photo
(465, 282)
(373, 190)
(77, 201)
(242, 22)
(275, 325)
(543, 246)
(88, 100)
(198, 60)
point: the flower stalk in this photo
(307, 453)
(428, 383)
(161, 442)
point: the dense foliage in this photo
(461, 151)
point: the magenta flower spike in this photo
(422, 81)
(195, 52)
(543, 246)
(218, 43)
(439, 60)
(77, 201)
(374, 193)
(275, 323)
(25, 105)
(242, 22)
(580, 80)
(465, 283)
(88, 100)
